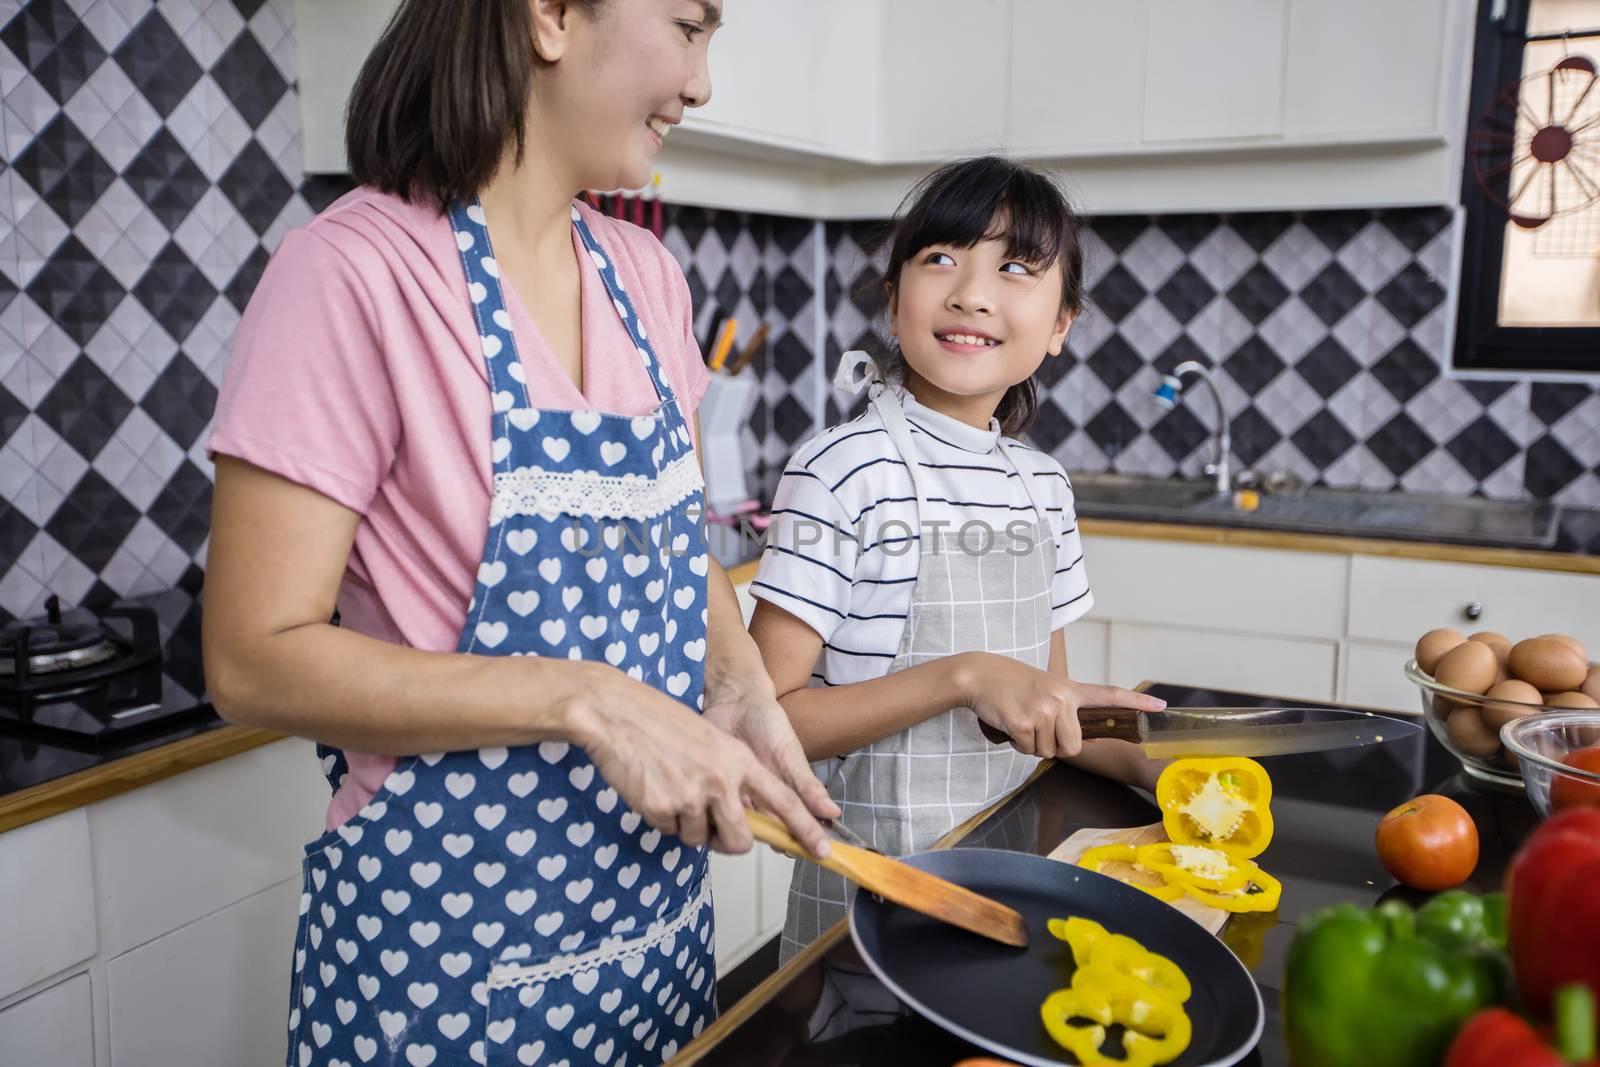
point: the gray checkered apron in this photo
(972, 594)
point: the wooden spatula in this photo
(903, 884)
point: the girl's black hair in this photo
(442, 95)
(962, 203)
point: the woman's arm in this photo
(278, 553)
(1117, 760)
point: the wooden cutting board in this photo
(1069, 850)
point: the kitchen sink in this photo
(1405, 516)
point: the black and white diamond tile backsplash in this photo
(152, 162)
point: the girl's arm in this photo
(272, 659)
(834, 720)
(1117, 760)
(1037, 709)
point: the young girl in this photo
(923, 564)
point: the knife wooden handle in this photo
(1119, 724)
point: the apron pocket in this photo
(644, 997)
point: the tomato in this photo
(1429, 843)
(1571, 793)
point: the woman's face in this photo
(620, 81)
(971, 322)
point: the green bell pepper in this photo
(1464, 919)
(1387, 987)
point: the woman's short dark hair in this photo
(443, 93)
(958, 205)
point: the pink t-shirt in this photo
(356, 371)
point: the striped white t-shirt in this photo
(854, 587)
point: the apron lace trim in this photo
(510, 975)
(590, 494)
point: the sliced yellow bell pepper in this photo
(1096, 858)
(1080, 933)
(1124, 956)
(1156, 1029)
(1196, 865)
(1260, 892)
(1221, 803)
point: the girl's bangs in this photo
(1025, 212)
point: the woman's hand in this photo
(1036, 709)
(747, 707)
(682, 772)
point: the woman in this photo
(459, 411)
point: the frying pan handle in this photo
(1120, 724)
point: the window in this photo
(1530, 281)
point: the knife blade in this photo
(1236, 731)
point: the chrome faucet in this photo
(1167, 397)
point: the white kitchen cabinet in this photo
(943, 84)
(1214, 71)
(766, 69)
(1398, 600)
(1077, 75)
(1374, 677)
(170, 853)
(1216, 587)
(214, 992)
(47, 923)
(775, 870)
(52, 1028)
(735, 898)
(1272, 666)
(1087, 643)
(1365, 68)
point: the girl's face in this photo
(619, 81)
(972, 323)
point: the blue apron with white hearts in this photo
(504, 906)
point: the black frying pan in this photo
(990, 994)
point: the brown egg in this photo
(1468, 732)
(1572, 699)
(1591, 686)
(1499, 642)
(1519, 699)
(1443, 705)
(1470, 666)
(1572, 643)
(1548, 664)
(1432, 646)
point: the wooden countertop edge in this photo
(124, 775)
(1571, 562)
(758, 997)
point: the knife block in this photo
(724, 413)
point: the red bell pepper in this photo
(1553, 905)
(1498, 1038)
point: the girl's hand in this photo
(680, 771)
(1036, 709)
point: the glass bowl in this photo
(1482, 752)
(1537, 744)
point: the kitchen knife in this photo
(1235, 731)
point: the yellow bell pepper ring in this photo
(1220, 803)
(1260, 892)
(1124, 956)
(1095, 859)
(1156, 1029)
(1080, 933)
(1196, 865)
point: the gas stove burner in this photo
(55, 645)
(61, 652)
